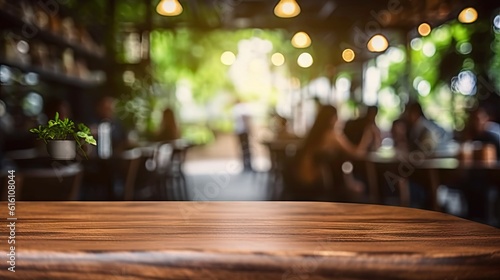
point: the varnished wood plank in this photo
(245, 240)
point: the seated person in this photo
(307, 174)
(399, 135)
(477, 187)
(425, 135)
(169, 130)
(481, 127)
(355, 129)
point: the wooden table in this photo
(245, 240)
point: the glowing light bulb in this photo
(301, 40)
(287, 9)
(378, 43)
(468, 15)
(169, 8)
(348, 55)
(424, 29)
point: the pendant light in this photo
(169, 8)
(287, 9)
(378, 43)
(301, 40)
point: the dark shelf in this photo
(55, 77)
(48, 36)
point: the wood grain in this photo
(245, 240)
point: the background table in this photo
(245, 240)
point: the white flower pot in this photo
(62, 149)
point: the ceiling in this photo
(331, 21)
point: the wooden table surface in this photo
(244, 240)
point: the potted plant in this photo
(62, 136)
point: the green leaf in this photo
(81, 134)
(83, 128)
(91, 140)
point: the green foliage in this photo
(190, 55)
(141, 106)
(436, 59)
(495, 63)
(441, 104)
(64, 129)
(130, 11)
(197, 134)
(89, 12)
(194, 55)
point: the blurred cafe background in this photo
(384, 101)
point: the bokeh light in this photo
(496, 24)
(424, 88)
(32, 104)
(301, 40)
(348, 55)
(377, 43)
(305, 60)
(465, 83)
(468, 15)
(23, 47)
(424, 29)
(464, 47)
(429, 49)
(227, 58)
(416, 44)
(396, 55)
(287, 9)
(31, 78)
(169, 8)
(277, 59)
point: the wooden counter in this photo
(244, 240)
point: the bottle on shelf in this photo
(104, 147)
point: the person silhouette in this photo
(169, 129)
(307, 175)
(242, 128)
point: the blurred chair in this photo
(56, 183)
(130, 161)
(112, 178)
(176, 176)
(161, 164)
(280, 152)
(163, 161)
